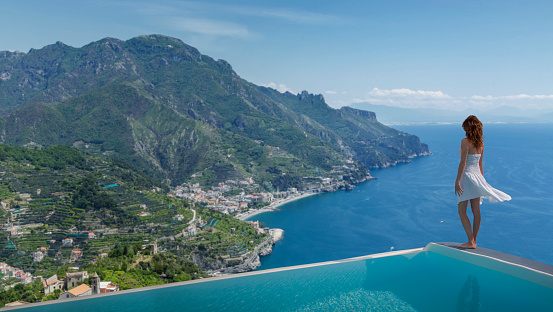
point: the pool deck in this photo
(503, 257)
(530, 270)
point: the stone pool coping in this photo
(222, 277)
(530, 270)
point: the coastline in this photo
(266, 247)
(275, 233)
(274, 205)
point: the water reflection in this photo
(469, 296)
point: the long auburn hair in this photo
(473, 129)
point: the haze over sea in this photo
(404, 208)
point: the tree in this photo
(28, 296)
(182, 277)
(61, 272)
(137, 248)
(158, 268)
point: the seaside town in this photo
(243, 198)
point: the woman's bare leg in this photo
(466, 225)
(475, 206)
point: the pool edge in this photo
(530, 270)
(523, 268)
(217, 278)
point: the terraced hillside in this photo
(73, 207)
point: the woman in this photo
(470, 186)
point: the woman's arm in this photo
(462, 165)
(480, 162)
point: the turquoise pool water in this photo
(419, 281)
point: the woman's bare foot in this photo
(467, 245)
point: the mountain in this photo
(163, 107)
(356, 131)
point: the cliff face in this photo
(162, 106)
(249, 262)
(365, 114)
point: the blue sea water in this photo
(413, 204)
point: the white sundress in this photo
(474, 185)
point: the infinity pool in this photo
(436, 278)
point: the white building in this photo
(26, 278)
(38, 256)
(106, 287)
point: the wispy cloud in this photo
(217, 19)
(408, 98)
(337, 103)
(294, 16)
(512, 97)
(521, 101)
(150, 8)
(402, 93)
(330, 92)
(279, 87)
(190, 17)
(209, 27)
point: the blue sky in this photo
(438, 54)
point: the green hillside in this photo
(60, 193)
(160, 105)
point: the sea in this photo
(413, 204)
